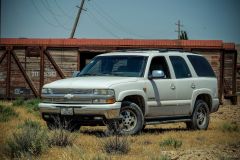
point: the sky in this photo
(122, 19)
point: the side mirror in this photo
(157, 74)
(75, 73)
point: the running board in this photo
(166, 120)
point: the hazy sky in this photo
(144, 19)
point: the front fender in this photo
(126, 93)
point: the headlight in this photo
(109, 92)
(106, 96)
(46, 91)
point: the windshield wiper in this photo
(87, 74)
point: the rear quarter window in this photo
(201, 66)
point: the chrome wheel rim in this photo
(201, 116)
(129, 120)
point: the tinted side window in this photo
(201, 66)
(180, 67)
(160, 63)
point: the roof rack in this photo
(151, 49)
(171, 49)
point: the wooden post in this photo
(42, 68)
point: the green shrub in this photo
(61, 137)
(18, 101)
(32, 104)
(6, 113)
(116, 145)
(171, 142)
(31, 124)
(29, 140)
(229, 127)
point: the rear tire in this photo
(200, 117)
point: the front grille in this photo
(72, 91)
(67, 101)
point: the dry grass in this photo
(214, 143)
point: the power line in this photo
(48, 7)
(98, 22)
(42, 16)
(112, 21)
(63, 11)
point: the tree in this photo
(183, 35)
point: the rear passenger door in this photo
(184, 84)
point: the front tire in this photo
(132, 119)
(200, 117)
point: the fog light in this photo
(104, 101)
(98, 118)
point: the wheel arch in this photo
(137, 99)
(206, 97)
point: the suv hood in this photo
(90, 82)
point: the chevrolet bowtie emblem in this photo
(68, 96)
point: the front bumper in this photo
(109, 111)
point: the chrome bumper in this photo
(110, 111)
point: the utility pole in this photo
(77, 19)
(178, 24)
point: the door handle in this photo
(172, 86)
(193, 86)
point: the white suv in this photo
(136, 87)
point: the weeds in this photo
(162, 157)
(31, 104)
(6, 113)
(171, 142)
(116, 145)
(229, 127)
(29, 140)
(60, 136)
(18, 101)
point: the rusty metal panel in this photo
(105, 43)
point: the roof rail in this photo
(151, 49)
(171, 49)
(137, 49)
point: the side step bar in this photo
(163, 120)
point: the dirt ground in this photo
(217, 143)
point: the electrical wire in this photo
(100, 24)
(112, 21)
(48, 7)
(63, 11)
(42, 16)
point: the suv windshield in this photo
(124, 66)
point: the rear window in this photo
(201, 66)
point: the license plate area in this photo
(66, 111)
